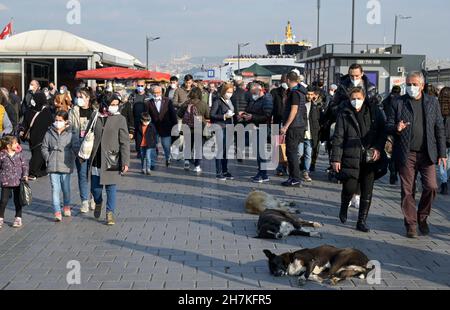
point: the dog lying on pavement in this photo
(278, 224)
(257, 202)
(320, 264)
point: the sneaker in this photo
(424, 228)
(355, 201)
(148, 172)
(92, 204)
(1, 222)
(228, 176)
(411, 233)
(110, 221)
(98, 211)
(221, 177)
(144, 171)
(260, 179)
(197, 170)
(306, 177)
(58, 217)
(167, 163)
(291, 183)
(17, 222)
(67, 212)
(187, 165)
(32, 178)
(85, 206)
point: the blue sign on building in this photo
(211, 73)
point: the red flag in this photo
(7, 32)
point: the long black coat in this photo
(40, 127)
(347, 143)
(165, 119)
(279, 100)
(314, 123)
(435, 132)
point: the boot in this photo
(364, 208)
(444, 189)
(345, 201)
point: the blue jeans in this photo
(166, 143)
(60, 182)
(148, 157)
(306, 148)
(83, 184)
(443, 173)
(222, 155)
(260, 160)
(97, 191)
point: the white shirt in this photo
(158, 105)
(308, 127)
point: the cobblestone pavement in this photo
(176, 230)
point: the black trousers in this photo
(294, 136)
(364, 184)
(6, 193)
(37, 163)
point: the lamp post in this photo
(148, 40)
(397, 17)
(240, 45)
(318, 23)
(353, 26)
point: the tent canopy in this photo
(117, 73)
(256, 70)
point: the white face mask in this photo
(80, 102)
(356, 82)
(59, 124)
(109, 89)
(331, 93)
(173, 86)
(62, 91)
(31, 88)
(113, 109)
(228, 96)
(413, 91)
(285, 86)
(357, 103)
(255, 97)
(157, 98)
(146, 123)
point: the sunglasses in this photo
(141, 85)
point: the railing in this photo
(370, 49)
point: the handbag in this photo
(113, 161)
(282, 149)
(88, 142)
(26, 195)
(27, 135)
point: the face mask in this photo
(413, 91)
(146, 123)
(59, 124)
(331, 93)
(357, 103)
(47, 94)
(285, 86)
(255, 97)
(109, 89)
(113, 109)
(33, 103)
(356, 82)
(173, 86)
(80, 102)
(228, 96)
(62, 91)
(140, 89)
(31, 88)
(157, 98)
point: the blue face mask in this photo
(140, 89)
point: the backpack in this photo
(190, 115)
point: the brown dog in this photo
(257, 202)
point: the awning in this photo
(117, 73)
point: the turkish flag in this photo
(7, 32)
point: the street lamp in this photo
(318, 23)
(353, 26)
(240, 45)
(397, 17)
(148, 40)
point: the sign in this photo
(248, 74)
(211, 73)
(368, 62)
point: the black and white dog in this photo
(320, 264)
(278, 224)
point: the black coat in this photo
(150, 136)
(40, 127)
(347, 143)
(240, 99)
(279, 101)
(261, 110)
(165, 119)
(447, 130)
(314, 123)
(127, 112)
(218, 110)
(434, 131)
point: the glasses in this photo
(141, 85)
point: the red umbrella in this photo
(118, 73)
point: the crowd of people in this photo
(365, 137)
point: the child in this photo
(13, 168)
(146, 139)
(59, 154)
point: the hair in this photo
(13, 89)
(7, 140)
(225, 87)
(196, 93)
(357, 90)
(173, 79)
(431, 90)
(63, 114)
(417, 74)
(145, 117)
(313, 89)
(444, 101)
(188, 77)
(292, 76)
(85, 92)
(3, 99)
(355, 67)
(396, 89)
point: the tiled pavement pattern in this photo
(179, 231)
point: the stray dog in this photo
(322, 263)
(257, 202)
(278, 224)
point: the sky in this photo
(215, 27)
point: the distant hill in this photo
(207, 60)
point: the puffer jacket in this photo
(58, 151)
(261, 110)
(12, 169)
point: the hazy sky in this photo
(214, 28)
